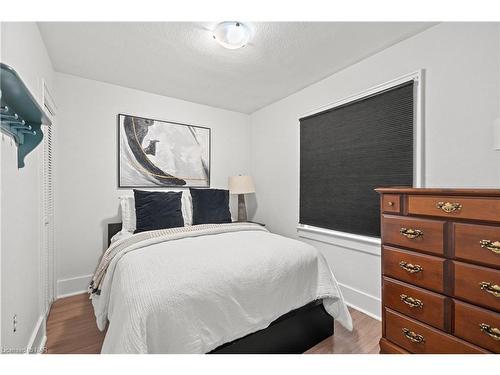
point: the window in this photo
(349, 150)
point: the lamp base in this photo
(242, 209)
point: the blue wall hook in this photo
(20, 115)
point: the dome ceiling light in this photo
(232, 34)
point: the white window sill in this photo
(365, 244)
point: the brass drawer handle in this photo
(490, 288)
(411, 268)
(412, 302)
(390, 203)
(412, 336)
(492, 246)
(411, 233)
(494, 333)
(449, 207)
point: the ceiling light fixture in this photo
(232, 34)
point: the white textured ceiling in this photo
(181, 60)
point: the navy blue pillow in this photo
(157, 210)
(210, 206)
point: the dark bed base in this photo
(292, 333)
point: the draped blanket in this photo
(143, 239)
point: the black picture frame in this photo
(159, 186)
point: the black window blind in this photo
(349, 150)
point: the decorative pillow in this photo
(127, 205)
(157, 210)
(210, 206)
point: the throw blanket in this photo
(192, 289)
(144, 239)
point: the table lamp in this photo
(241, 185)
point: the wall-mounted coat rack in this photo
(20, 115)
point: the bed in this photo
(292, 333)
(218, 288)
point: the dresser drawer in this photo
(418, 269)
(477, 325)
(455, 207)
(479, 285)
(419, 234)
(387, 347)
(420, 338)
(391, 203)
(477, 243)
(420, 304)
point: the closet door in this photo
(48, 218)
(47, 256)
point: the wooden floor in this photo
(71, 328)
(363, 339)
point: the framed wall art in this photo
(155, 153)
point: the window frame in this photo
(418, 150)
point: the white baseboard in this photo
(73, 286)
(361, 301)
(38, 338)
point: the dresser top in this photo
(438, 191)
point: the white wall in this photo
(461, 62)
(86, 159)
(23, 49)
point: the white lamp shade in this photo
(241, 185)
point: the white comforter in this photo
(193, 294)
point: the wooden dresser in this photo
(440, 270)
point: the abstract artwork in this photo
(154, 153)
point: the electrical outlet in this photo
(14, 323)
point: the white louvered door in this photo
(47, 259)
(47, 252)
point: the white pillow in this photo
(187, 207)
(121, 236)
(127, 205)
